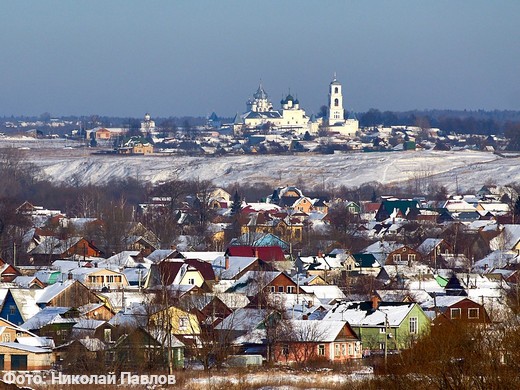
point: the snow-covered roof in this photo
(253, 281)
(118, 300)
(26, 348)
(233, 300)
(26, 301)
(236, 265)
(48, 315)
(50, 245)
(49, 292)
(361, 313)
(442, 302)
(316, 330)
(244, 319)
(507, 239)
(428, 245)
(35, 341)
(324, 291)
(204, 256)
(496, 259)
(87, 324)
(160, 254)
(132, 316)
(125, 259)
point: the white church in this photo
(336, 114)
(291, 117)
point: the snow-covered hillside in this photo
(468, 169)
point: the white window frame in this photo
(321, 349)
(471, 317)
(183, 323)
(455, 313)
(414, 325)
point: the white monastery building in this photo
(260, 114)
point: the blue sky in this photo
(125, 58)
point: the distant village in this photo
(261, 129)
(289, 279)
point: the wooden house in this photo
(311, 340)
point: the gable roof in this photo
(362, 314)
(161, 254)
(237, 264)
(428, 245)
(366, 260)
(318, 331)
(50, 245)
(266, 253)
(49, 292)
(252, 282)
(25, 300)
(48, 315)
(205, 268)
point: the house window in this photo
(280, 288)
(12, 310)
(397, 257)
(382, 346)
(183, 323)
(191, 281)
(321, 349)
(285, 350)
(337, 349)
(6, 338)
(350, 349)
(291, 289)
(344, 349)
(382, 330)
(108, 335)
(271, 289)
(413, 325)
(411, 257)
(473, 313)
(455, 313)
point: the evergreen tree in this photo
(374, 196)
(236, 206)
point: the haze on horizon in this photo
(175, 58)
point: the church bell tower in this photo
(336, 111)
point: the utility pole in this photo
(386, 340)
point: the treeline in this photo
(463, 122)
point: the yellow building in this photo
(178, 320)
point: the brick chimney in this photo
(375, 302)
(226, 258)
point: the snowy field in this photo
(63, 161)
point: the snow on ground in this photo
(282, 379)
(469, 169)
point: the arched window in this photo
(336, 102)
(336, 90)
